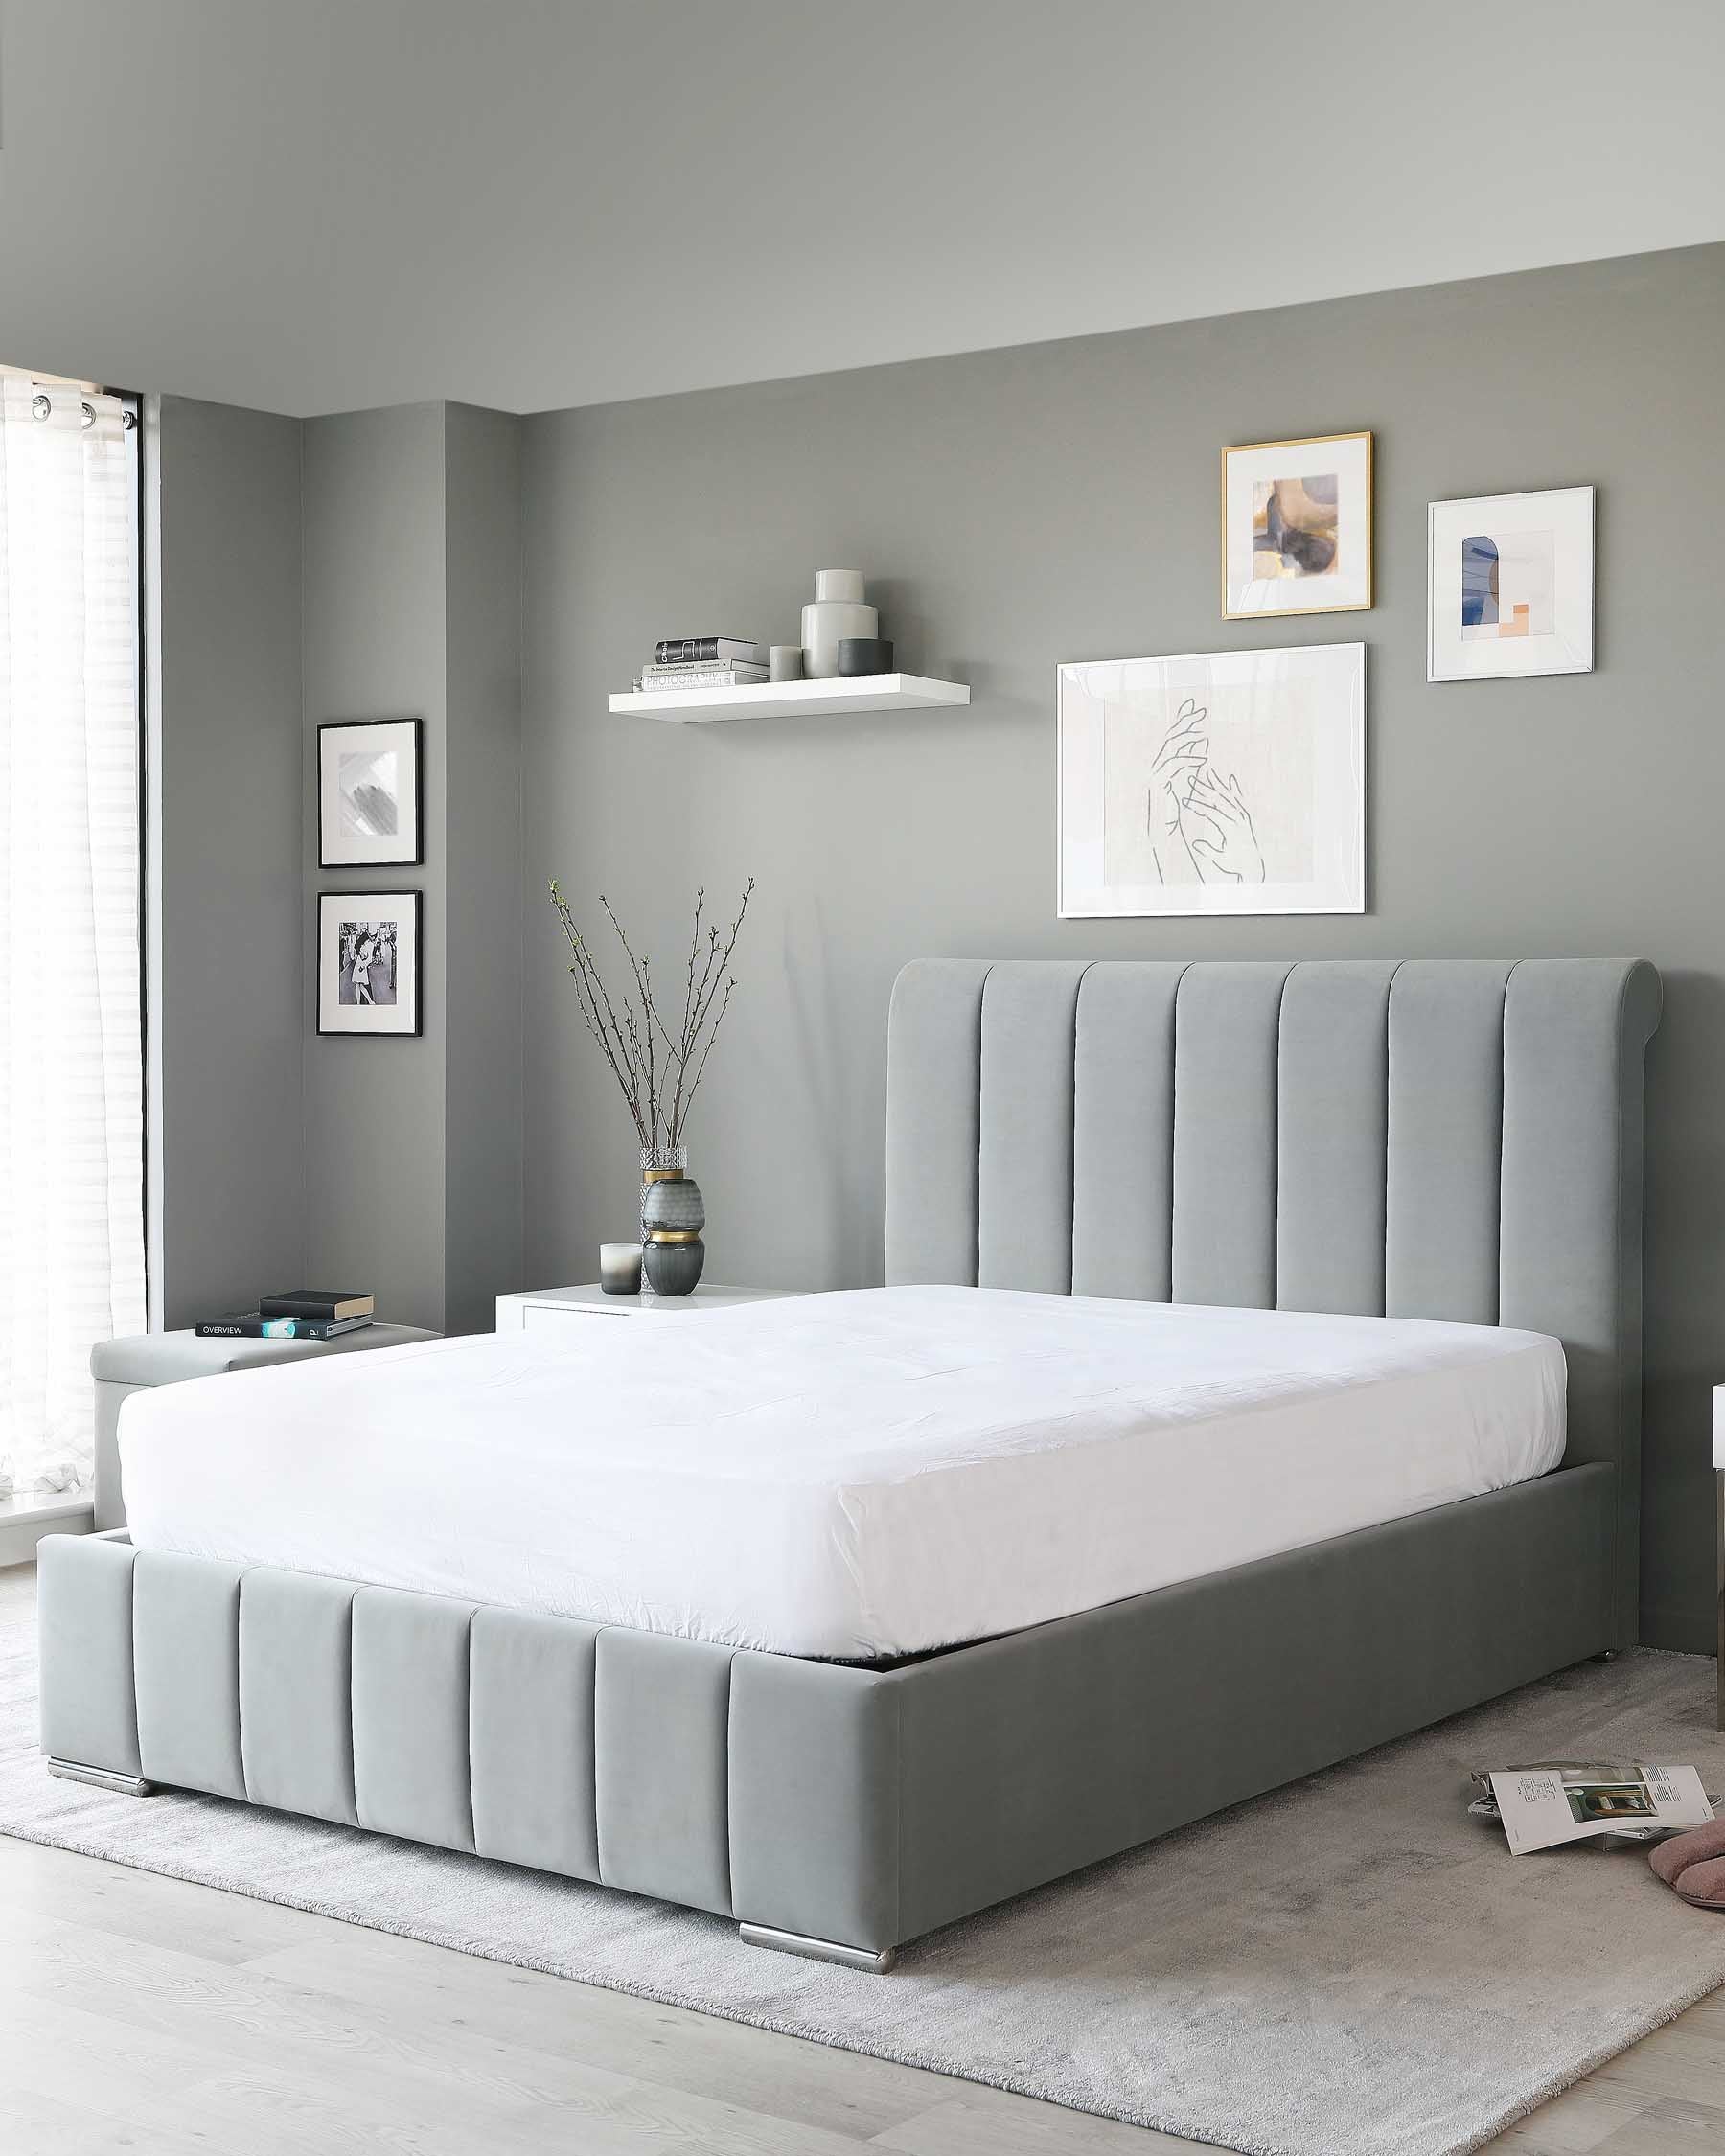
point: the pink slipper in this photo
(1692, 1865)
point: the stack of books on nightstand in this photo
(705, 662)
(302, 1314)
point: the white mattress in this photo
(852, 1474)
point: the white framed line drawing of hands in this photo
(1179, 760)
(1222, 838)
(1214, 783)
(1199, 825)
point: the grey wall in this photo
(1015, 509)
(482, 855)
(362, 566)
(412, 609)
(373, 649)
(224, 857)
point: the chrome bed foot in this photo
(101, 1777)
(819, 1949)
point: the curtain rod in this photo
(41, 407)
(54, 381)
(41, 403)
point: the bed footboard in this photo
(753, 1786)
(826, 1809)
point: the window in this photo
(71, 1036)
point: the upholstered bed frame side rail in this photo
(1450, 1138)
(854, 1807)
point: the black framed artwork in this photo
(369, 955)
(371, 794)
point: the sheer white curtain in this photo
(71, 1050)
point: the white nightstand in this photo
(554, 1306)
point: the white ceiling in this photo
(316, 205)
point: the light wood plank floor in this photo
(148, 2016)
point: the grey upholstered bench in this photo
(121, 1367)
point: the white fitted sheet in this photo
(853, 1475)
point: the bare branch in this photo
(692, 1022)
(615, 1052)
(631, 1029)
(723, 958)
(642, 969)
(602, 1018)
(701, 1067)
(590, 1011)
(604, 994)
(694, 956)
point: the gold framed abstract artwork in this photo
(1509, 586)
(1297, 527)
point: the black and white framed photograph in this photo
(370, 793)
(1216, 782)
(1509, 586)
(368, 963)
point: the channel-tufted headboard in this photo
(1432, 1139)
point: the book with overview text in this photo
(255, 1325)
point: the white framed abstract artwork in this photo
(1297, 527)
(1216, 782)
(1509, 586)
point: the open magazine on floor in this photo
(1558, 1801)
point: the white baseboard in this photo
(25, 1519)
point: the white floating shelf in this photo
(796, 700)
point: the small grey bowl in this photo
(864, 654)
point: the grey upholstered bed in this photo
(1441, 1140)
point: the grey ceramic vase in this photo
(673, 1268)
(674, 1204)
(838, 610)
(672, 1216)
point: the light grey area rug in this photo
(1350, 1967)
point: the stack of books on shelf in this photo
(302, 1313)
(705, 662)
